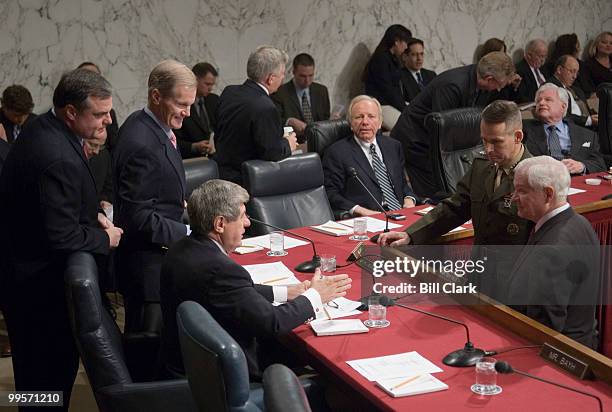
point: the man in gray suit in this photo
(556, 277)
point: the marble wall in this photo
(39, 39)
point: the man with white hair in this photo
(555, 279)
(529, 68)
(551, 134)
(248, 123)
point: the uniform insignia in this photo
(512, 228)
(508, 201)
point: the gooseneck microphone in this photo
(308, 266)
(468, 356)
(353, 172)
(505, 368)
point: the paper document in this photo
(457, 229)
(414, 385)
(244, 249)
(374, 225)
(424, 211)
(573, 191)
(402, 365)
(333, 228)
(340, 308)
(264, 241)
(325, 327)
(273, 274)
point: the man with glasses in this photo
(529, 68)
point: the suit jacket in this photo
(535, 140)
(344, 191)
(46, 180)
(4, 150)
(101, 169)
(528, 86)
(196, 129)
(288, 105)
(383, 80)
(9, 126)
(555, 280)
(112, 131)
(579, 95)
(410, 87)
(248, 127)
(196, 269)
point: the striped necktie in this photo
(419, 79)
(554, 146)
(306, 108)
(380, 170)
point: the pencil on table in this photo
(274, 280)
(407, 381)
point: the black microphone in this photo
(468, 356)
(353, 172)
(505, 367)
(305, 267)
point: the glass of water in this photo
(486, 377)
(328, 264)
(377, 313)
(277, 244)
(360, 229)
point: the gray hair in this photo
(561, 92)
(503, 111)
(544, 171)
(533, 44)
(497, 64)
(168, 74)
(361, 98)
(265, 60)
(213, 199)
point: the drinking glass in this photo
(377, 313)
(360, 229)
(328, 264)
(486, 377)
(277, 244)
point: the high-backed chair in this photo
(289, 193)
(199, 170)
(283, 390)
(320, 135)
(106, 354)
(604, 94)
(455, 141)
(215, 364)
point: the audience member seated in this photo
(414, 76)
(556, 277)
(248, 124)
(468, 86)
(382, 76)
(549, 134)
(378, 160)
(568, 44)
(16, 111)
(565, 72)
(199, 268)
(301, 100)
(491, 45)
(112, 129)
(530, 70)
(194, 137)
(598, 67)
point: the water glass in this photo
(486, 377)
(360, 229)
(328, 263)
(377, 313)
(277, 244)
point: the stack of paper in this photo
(244, 249)
(415, 385)
(326, 327)
(573, 191)
(424, 211)
(340, 308)
(264, 241)
(333, 228)
(374, 225)
(273, 274)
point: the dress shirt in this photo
(540, 79)
(299, 92)
(549, 216)
(576, 108)
(263, 87)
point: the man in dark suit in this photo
(49, 210)
(556, 278)
(249, 125)
(529, 68)
(414, 76)
(377, 159)
(149, 190)
(565, 72)
(301, 100)
(468, 86)
(16, 111)
(549, 134)
(194, 137)
(199, 268)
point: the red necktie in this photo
(172, 139)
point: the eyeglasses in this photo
(333, 304)
(574, 71)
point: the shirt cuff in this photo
(352, 211)
(315, 300)
(279, 293)
(410, 197)
(188, 229)
(589, 122)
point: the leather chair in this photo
(107, 355)
(215, 364)
(320, 135)
(289, 193)
(283, 391)
(455, 141)
(199, 170)
(604, 128)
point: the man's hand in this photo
(298, 125)
(104, 222)
(573, 166)
(362, 211)
(330, 287)
(394, 239)
(408, 202)
(202, 147)
(515, 80)
(114, 234)
(3, 133)
(292, 139)
(594, 119)
(293, 291)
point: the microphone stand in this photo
(373, 239)
(308, 266)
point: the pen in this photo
(327, 313)
(274, 280)
(407, 381)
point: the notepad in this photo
(374, 225)
(573, 191)
(272, 274)
(402, 365)
(424, 211)
(244, 249)
(334, 327)
(264, 241)
(333, 228)
(409, 386)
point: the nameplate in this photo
(564, 361)
(357, 256)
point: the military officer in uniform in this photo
(483, 195)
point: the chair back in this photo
(455, 141)
(320, 135)
(289, 193)
(199, 170)
(215, 364)
(604, 128)
(283, 390)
